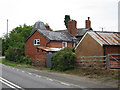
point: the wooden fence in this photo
(38, 62)
(113, 61)
(91, 62)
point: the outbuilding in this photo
(98, 43)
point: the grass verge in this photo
(9, 63)
(94, 73)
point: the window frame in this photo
(65, 44)
(36, 41)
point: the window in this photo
(36, 41)
(64, 44)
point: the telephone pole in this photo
(7, 27)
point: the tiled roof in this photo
(80, 31)
(61, 35)
(56, 36)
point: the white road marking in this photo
(65, 83)
(49, 79)
(30, 73)
(10, 84)
(7, 84)
(37, 76)
(23, 71)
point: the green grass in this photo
(9, 63)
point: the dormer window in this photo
(64, 44)
(36, 41)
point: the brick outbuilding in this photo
(96, 43)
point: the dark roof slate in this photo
(80, 31)
(59, 35)
(56, 36)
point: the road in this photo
(16, 78)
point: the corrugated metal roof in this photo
(48, 49)
(106, 38)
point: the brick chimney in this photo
(72, 27)
(47, 26)
(88, 23)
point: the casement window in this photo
(64, 44)
(36, 41)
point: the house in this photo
(97, 43)
(42, 41)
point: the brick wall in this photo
(112, 49)
(89, 47)
(55, 44)
(32, 52)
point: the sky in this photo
(102, 13)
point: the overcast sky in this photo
(102, 13)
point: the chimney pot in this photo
(88, 18)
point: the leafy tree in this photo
(66, 19)
(5, 44)
(0, 43)
(14, 43)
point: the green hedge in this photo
(16, 55)
(63, 60)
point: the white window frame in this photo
(64, 44)
(36, 41)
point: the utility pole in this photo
(7, 27)
(102, 29)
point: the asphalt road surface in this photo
(15, 78)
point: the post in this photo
(95, 62)
(7, 27)
(83, 61)
(108, 62)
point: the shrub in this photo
(15, 55)
(25, 60)
(63, 60)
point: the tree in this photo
(66, 19)
(15, 40)
(0, 43)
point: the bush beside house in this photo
(63, 60)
